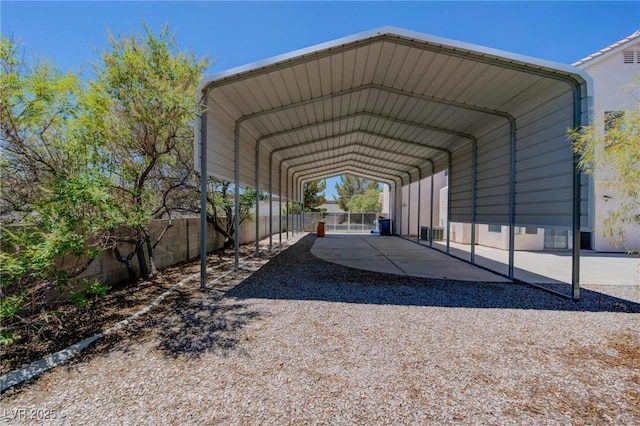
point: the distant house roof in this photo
(607, 51)
(331, 206)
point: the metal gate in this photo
(342, 222)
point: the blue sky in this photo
(237, 33)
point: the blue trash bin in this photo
(385, 226)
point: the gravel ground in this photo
(296, 340)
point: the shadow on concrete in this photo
(545, 264)
(296, 274)
(587, 253)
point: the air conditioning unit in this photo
(436, 232)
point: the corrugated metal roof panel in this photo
(476, 90)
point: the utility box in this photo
(426, 233)
(320, 230)
(437, 233)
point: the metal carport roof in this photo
(399, 105)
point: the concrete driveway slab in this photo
(397, 256)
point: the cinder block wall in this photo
(180, 243)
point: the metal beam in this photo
(419, 203)
(350, 145)
(406, 142)
(349, 164)
(338, 169)
(257, 201)
(288, 202)
(350, 156)
(512, 204)
(270, 205)
(444, 101)
(577, 189)
(236, 193)
(280, 205)
(203, 200)
(431, 214)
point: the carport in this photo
(398, 106)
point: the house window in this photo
(556, 239)
(495, 228)
(521, 230)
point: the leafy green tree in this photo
(611, 152)
(139, 109)
(314, 195)
(365, 203)
(221, 208)
(349, 186)
(179, 185)
(54, 201)
(291, 207)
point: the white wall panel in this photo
(493, 174)
(460, 182)
(544, 191)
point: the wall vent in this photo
(628, 57)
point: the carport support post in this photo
(236, 194)
(431, 208)
(575, 252)
(203, 200)
(512, 198)
(449, 180)
(294, 204)
(299, 211)
(397, 218)
(257, 167)
(394, 212)
(391, 200)
(280, 204)
(409, 209)
(419, 201)
(400, 198)
(270, 206)
(302, 208)
(287, 206)
(474, 181)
